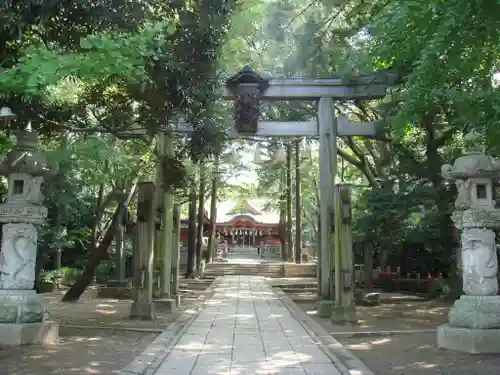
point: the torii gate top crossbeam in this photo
(362, 87)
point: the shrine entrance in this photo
(244, 237)
(247, 89)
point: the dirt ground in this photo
(93, 349)
(412, 353)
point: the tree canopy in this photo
(87, 74)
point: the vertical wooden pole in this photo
(213, 211)
(318, 252)
(338, 245)
(158, 249)
(332, 143)
(119, 252)
(200, 221)
(166, 227)
(191, 240)
(282, 225)
(298, 214)
(289, 238)
(326, 133)
(176, 250)
(143, 307)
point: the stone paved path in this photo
(245, 329)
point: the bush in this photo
(70, 275)
(104, 269)
(53, 276)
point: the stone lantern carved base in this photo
(478, 312)
(468, 340)
(44, 333)
(22, 319)
(21, 306)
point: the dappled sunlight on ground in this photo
(401, 315)
(79, 352)
(416, 354)
(412, 353)
(90, 310)
(92, 350)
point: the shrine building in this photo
(243, 222)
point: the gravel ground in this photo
(416, 354)
(412, 353)
(91, 350)
(80, 352)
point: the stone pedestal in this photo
(42, 333)
(116, 289)
(325, 308)
(21, 306)
(474, 325)
(468, 340)
(167, 305)
(344, 314)
(142, 310)
(477, 312)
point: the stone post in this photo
(345, 308)
(120, 252)
(327, 173)
(143, 306)
(474, 319)
(164, 236)
(21, 309)
(176, 254)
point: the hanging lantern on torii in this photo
(247, 86)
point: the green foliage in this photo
(83, 71)
(105, 268)
(64, 275)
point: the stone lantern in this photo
(474, 319)
(21, 309)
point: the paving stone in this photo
(246, 330)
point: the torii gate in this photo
(247, 89)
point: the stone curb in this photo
(153, 356)
(346, 362)
(384, 333)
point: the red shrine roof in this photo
(255, 209)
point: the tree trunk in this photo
(282, 227)
(201, 217)
(368, 268)
(42, 260)
(213, 215)
(191, 240)
(384, 258)
(97, 254)
(58, 259)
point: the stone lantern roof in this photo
(473, 163)
(25, 157)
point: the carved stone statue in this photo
(33, 193)
(18, 256)
(247, 111)
(480, 262)
(463, 200)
